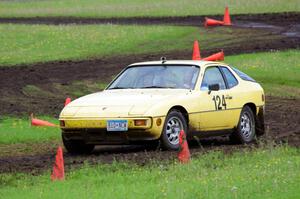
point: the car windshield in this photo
(164, 76)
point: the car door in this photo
(233, 96)
(213, 103)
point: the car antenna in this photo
(163, 60)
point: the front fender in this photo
(188, 102)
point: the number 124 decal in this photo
(220, 102)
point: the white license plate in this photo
(117, 125)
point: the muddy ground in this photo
(276, 32)
(267, 32)
(269, 18)
(282, 123)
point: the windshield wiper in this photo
(157, 87)
(120, 87)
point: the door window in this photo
(212, 75)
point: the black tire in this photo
(245, 132)
(168, 141)
(77, 146)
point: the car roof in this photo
(179, 62)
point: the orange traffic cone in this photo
(58, 172)
(215, 57)
(226, 19)
(184, 152)
(68, 100)
(196, 51)
(212, 22)
(38, 122)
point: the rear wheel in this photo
(245, 132)
(175, 122)
(77, 146)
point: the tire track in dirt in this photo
(44, 75)
(282, 123)
(282, 115)
(273, 18)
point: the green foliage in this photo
(261, 173)
(18, 130)
(121, 8)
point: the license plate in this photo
(117, 125)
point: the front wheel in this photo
(175, 122)
(245, 132)
(77, 146)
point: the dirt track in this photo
(282, 115)
(281, 32)
(282, 122)
(270, 18)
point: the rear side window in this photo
(231, 80)
(243, 75)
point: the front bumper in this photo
(100, 123)
(94, 131)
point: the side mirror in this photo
(213, 87)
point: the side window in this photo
(212, 75)
(242, 75)
(231, 80)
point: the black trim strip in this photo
(207, 134)
(220, 110)
(214, 110)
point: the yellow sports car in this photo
(153, 101)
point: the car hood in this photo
(119, 103)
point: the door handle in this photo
(228, 97)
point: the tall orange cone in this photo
(226, 19)
(68, 100)
(215, 57)
(212, 22)
(196, 51)
(38, 122)
(184, 155)
(58, 172)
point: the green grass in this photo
(19, 130)
(41, 43)
(260, 173)
(26, 44)
(121, 8)
(279, 72)
(35, 91)
(74, 89)
(79, 88)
